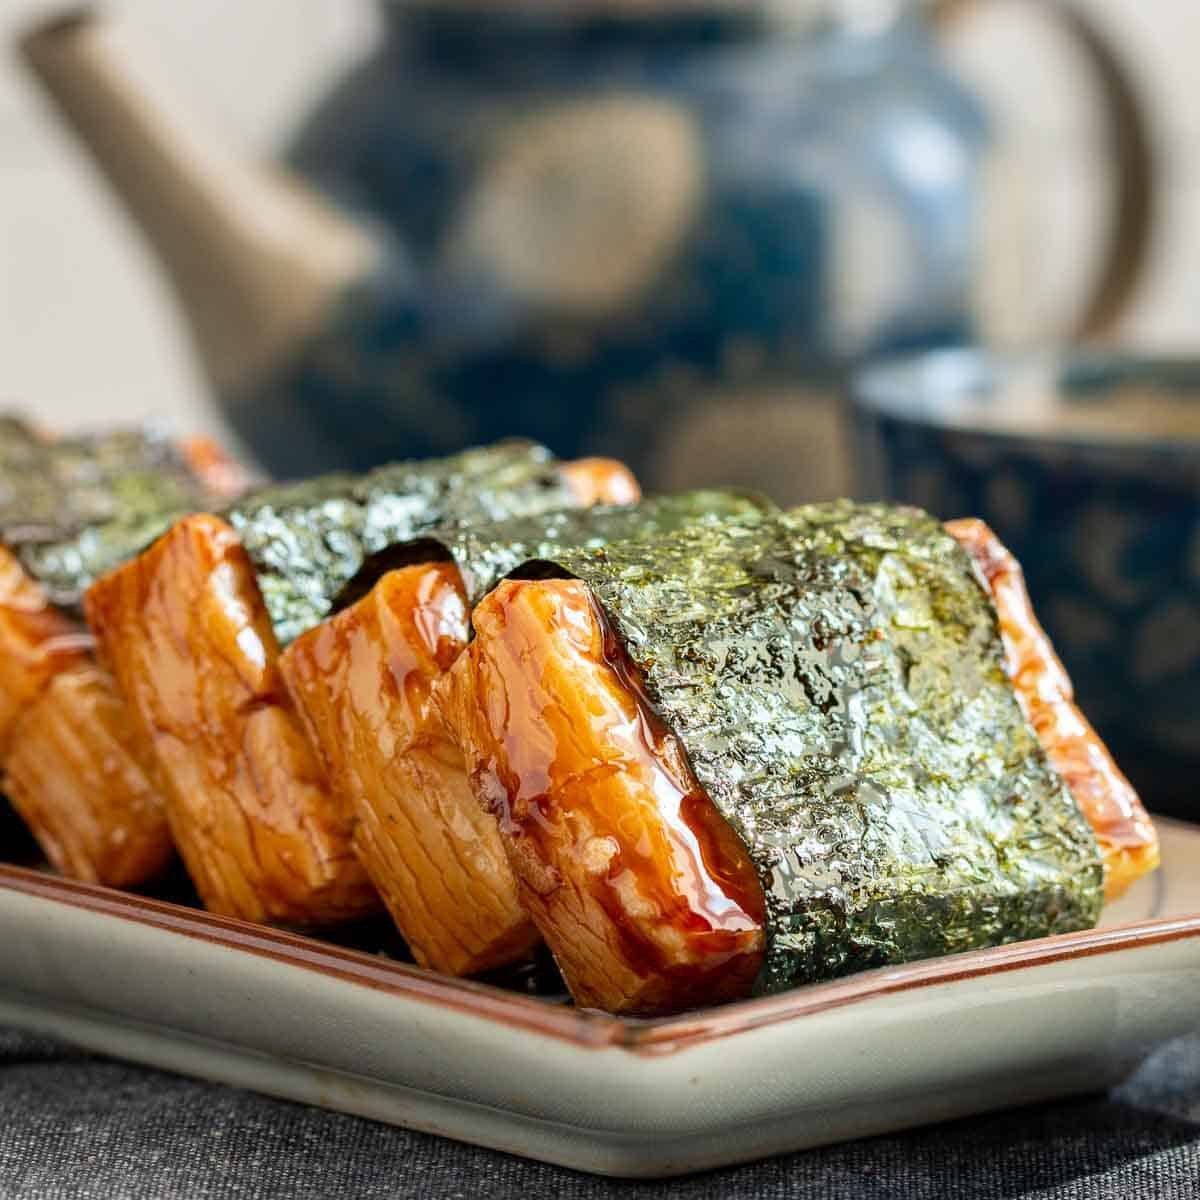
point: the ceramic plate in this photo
(295, 1017)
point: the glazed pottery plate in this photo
(295, 1017)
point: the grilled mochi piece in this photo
(192, 631)
(1126, 836)
(184, 631)
(645, 896)
(362, 681)
(36, 643)
(752, 756)
(80, 779)
(72, 768)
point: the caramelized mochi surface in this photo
(644, 894)
(186, 634)
(362, 681)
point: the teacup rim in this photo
(926, 388)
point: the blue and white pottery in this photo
(639, 234)
(657, 229)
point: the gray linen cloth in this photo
(79, 1126)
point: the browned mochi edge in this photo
(73, 770)
(362, 681)
(1124, 832)
(644, 894)
(215, 467)
(600, 481)
(78, 776)
(36, 643)
(185, 632)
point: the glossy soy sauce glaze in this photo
(643, 893)
(361, 682)
(723, 890)
(186, 634)
(838, 682)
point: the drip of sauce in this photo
(644, 893)
(441, 613)
(719, 881)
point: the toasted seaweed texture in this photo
(308, 540)
(75, 507)
(486, 551)
(836, 677)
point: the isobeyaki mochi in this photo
(762, 753)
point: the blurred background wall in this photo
(88, 331)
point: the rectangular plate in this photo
(292, 1016)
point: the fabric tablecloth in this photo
(76, 1125)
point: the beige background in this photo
(88, 332)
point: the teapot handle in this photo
(1135, 178)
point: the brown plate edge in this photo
(586, 1029)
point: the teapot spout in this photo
(256, 258)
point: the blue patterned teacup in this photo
(1088, 467)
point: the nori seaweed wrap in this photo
(73, 508)
(486, 551)
(361, 681)
(834, 681)
(193, 628)
(307, 540)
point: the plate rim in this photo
(583, 1028)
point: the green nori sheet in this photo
(307, 540)
(72, 508)
(486, 551)
(21, 453)
(837, 679)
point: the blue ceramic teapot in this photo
(654, 230)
